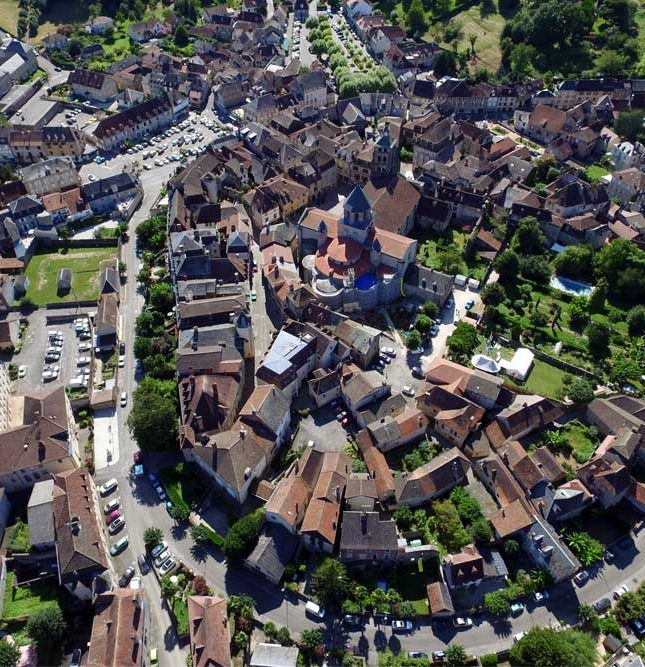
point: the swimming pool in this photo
(366, 281)
(571, 286)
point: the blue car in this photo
(638, 627)
(100, 159)
(153, 479)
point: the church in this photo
(351, 264)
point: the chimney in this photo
(363, 522)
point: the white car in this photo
(161, 557)
(390, 351)
(408, 391)
(22, 371)
(620, 591)
(83, 361)
(402, 626)
(461, 623)
(157, 549)
(121, 360)
(167, 565)
(124, 398)
(109, 487)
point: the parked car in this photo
(463, 622)
(312, 609)
(136, 583)
(402, 626)
(581, 578)
(638, 627)
(389, 351)
(540, 596)
(417, 372)
(417, 655)
(22, 371)
(116, 525)
(518, 637)
(385, 359)
(158, 548)
(112, 516)
(83, 361)
(620, 591)
(161, 558)
(167, 565)
(352, 620)
(434, 331)
(119, 546)
(124, 579)
(112, 505)
(142, 561)
(603, 605)
(407, 391)
(469, 304)
(517, 608)
(76, 658)
(438, 656)
(109, 487)
(124, 398)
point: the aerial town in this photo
(322, 333)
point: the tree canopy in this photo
(330, 583)
(545, 647)
(243, 536)
(153, 419)
(463, 340)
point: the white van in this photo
(312, 609)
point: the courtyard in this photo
(43, 268)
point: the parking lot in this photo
(32, 355)
(322, 427)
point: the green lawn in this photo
(180, 610)
(18, 630)
(583, 441)
(411, 582)
(60, 13)
(19, 541)
(22, 601)
(545, 380)
(181, 484)
(42, 273)
(445, 252)
(595, 173)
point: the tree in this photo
(448, 526)
(241, 640)
(598, 297)
(181, 36)
(575, 261)
(493, 294)
(636, 321)
(544, 647)
(423, 324)
(9, 654)
(180, 513)
(199, 534)
(463, 340)
(536, 268)
(414, 340)
(581, 391)
(622, 264)
(151, 234)
(417, 18)
(330, 583)
(151, 537)
(586, 548)
(630, 606)
(481, 531)
(46, 626)
(498, 604)
(200, 586)
(598, 339)
(403, 518)
(312, 643)
(588, 616)
(456, 656)
(468, 508)
(161, 297)
(431, 309)
(511, 546)
(629, 125)
(529, 239)
(270, 630)
(624, 370)
(242, 606)
(168, 587)
(578, 312)
(153, 419)
(243, 536)
(283, 637)
(507, 264)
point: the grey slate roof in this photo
(40, 513)
(274, 551)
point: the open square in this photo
(42, 273)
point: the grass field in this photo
(21, 602)
(595, 172)
(582, 441)
(60, 12)
(9, 15)
(180, 610)
(42, 273)
(487, 28)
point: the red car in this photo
(138, 457)
(112, 515)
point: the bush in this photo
(581, 391)
(243, 536)
(488, 660)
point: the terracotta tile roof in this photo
(118, 629)
(439, 600)
(289, 500)
(209, 632)
(377, 466)
(511, 519)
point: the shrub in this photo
(488, 660)
(243, 536)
